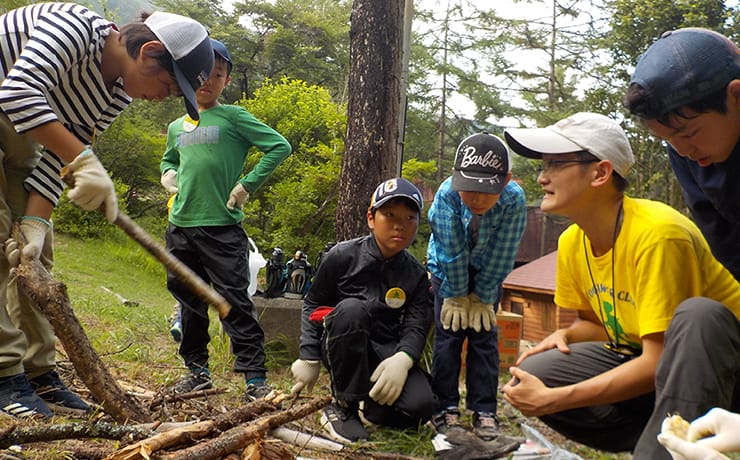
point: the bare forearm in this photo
(56, 138)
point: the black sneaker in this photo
(52, 390)
(18, 399)
(485, 425)
(255, 391)
(193, 381)
(343, 423)
(176, 324)
(446, 420)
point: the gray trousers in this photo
(610, 427)
(699, 369)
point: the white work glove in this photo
(704, 438)
(169, 180)
(305, 373)
(480, 313)
(390, 377)
(93, 186)
(38, 235)
(238, 196)
(454, 313)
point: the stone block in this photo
(280, 319)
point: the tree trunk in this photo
(371, 150)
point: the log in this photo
(51, 298)
(25, 434)
(238, 437)
(162, 398)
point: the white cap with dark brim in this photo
(589, 132)
(188, 43)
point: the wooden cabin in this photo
(529, 290)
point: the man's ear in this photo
(602, 173)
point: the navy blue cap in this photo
(393, 188)
(684, 66)
(220, 49)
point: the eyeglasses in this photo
(554, 165)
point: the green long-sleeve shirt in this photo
(210, 159)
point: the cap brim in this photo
(491, 184)
(380, 203)
(188, 94)
(534, 142)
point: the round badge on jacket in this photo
(395, 297)
(188, 124)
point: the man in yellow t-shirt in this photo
(625, 265)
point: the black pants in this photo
(699, 369)
(351, 357)
(611, 427)
(219, 256)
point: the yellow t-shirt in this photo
(660, 259)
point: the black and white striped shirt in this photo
(50, 68)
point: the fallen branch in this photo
(167, 398)
(51, 298)
(186, 435)
(238, 437)
(25, 434)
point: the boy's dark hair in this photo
(639, 102)
(135, 34)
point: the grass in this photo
(134, 343)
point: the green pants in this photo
(26, 337)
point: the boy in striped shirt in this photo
(65, 74)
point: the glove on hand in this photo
(238, 196)
(38, 236)
(390, 377)
(93, 186)
(454, 313)
(169, 180)
(681, 449)
(717, 429)
(704, 438)
(480, 313)
(305, 373)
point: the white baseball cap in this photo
(594, 133)
(188, 43)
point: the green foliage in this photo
(72, 220)
(295, 207)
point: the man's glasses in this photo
(554, 165)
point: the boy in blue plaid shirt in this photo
(477, 219)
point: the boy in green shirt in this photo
(203, 165)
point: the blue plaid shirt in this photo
(451, 255)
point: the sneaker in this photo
(485, 425)
(342, 423)
(446, 420)
(52, 390)
(18, 399)
(193, 381)
(258, 391)
(176, 324)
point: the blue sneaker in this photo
(52, 390)
(176, 324)
(18, 399)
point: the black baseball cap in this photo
(481, 164)
(394, 188)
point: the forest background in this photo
(292, 68)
